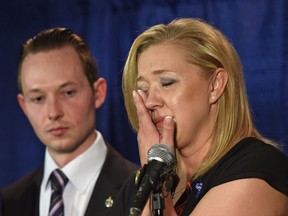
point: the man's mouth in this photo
(58, 131)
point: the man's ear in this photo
(218, 84)
(100, 87)
(21, 102)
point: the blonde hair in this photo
(208, 48)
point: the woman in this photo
(191, 96)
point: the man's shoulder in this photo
(115, 160)
(30, 180)
(116, 167)
(115, 171)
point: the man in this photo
(59, 93)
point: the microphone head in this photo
(162, 153)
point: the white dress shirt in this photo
(82, 173)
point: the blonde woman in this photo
(188, 92)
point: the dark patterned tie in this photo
(58, 181)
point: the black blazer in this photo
(0, 204)
(22, 197)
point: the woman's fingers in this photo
(147, 134)
(168, 132)
(142, 111)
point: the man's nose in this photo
(54, 109)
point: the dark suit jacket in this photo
(0, 204)
(22, 197)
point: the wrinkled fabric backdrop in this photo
(258, 29)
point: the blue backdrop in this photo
(258, 29)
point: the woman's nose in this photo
(153, 100)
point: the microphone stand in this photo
(158, 203)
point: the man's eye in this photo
(37, 99)
(70, 93)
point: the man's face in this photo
(58, 100)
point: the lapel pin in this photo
(109, 202)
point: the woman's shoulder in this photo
(252, 158)
(251, 153)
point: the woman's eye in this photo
(143, 88)
(167, 82)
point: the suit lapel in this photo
(35, 191)
(107, 185)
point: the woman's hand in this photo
(148, 135)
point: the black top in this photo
(250, 158)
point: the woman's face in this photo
(176, 88)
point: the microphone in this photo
(161, 164)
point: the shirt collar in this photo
(83, 168)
